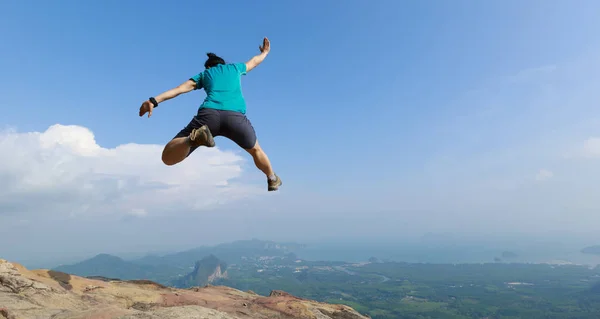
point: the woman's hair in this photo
(213, 60)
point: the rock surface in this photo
(50, 294)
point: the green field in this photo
(401, 290)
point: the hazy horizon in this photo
(435, 248)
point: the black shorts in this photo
(232, 125)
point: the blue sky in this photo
(346, 80)
(399, 108)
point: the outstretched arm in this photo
(185, 87)
(257, 59)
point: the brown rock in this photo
(280, 293)
(4, 314)
(45, 294)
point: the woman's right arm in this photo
(257, 59)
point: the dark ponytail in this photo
(213, 60)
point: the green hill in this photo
(232, 253)
(105, 265)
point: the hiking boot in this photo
(202, 136)
(274, 185)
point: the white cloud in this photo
(63, 171)
(544, 175)
(138, 212)
(591, 147)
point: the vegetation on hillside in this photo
(380, 289)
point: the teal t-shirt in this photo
(223, 86)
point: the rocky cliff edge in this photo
(43, 293)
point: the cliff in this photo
(206, 271)
(50, 294)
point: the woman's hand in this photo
(266, 46)
(146, 107)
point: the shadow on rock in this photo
(146, 282)
(62, 278)
(5, 315)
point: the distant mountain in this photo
(177, 266)
(592, 250)
(105, 265)
(206, 271)
(231, 253)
